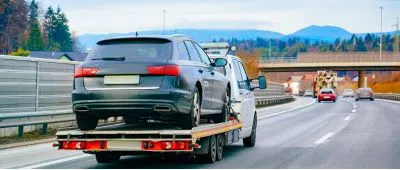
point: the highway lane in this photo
(346, 134)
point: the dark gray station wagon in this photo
(162, 78)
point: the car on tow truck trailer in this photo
(204, 142)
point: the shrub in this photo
(20, 52)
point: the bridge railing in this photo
(336, 57)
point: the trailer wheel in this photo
(220, 147)
(211, 156)
(86, 122)
(107, 157)
(251, 140)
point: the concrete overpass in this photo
(352, 61)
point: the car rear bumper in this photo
(146, 104)
(365, 97)
(327, 99)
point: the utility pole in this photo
(396, 36)
(380, 44)
(164, 23)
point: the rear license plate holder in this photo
(121, 79)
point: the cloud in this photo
(286, 16)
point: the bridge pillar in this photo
(361, 78)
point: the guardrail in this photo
(388, 96)
(38, 92)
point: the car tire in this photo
(319, 101)
(251, 140)
(211, 156)
(357, 99)
(107, 157)
(334, 101)
(86, 122)
(224, 116)
(372, 99)
(194, 115)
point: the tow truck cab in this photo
(242, 96)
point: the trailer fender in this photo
(204, 143)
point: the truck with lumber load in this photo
(325, 79)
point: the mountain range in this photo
(313, 32)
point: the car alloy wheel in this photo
(196, 109)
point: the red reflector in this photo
(168, 70)
(85, 72)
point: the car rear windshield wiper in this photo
(111, 58)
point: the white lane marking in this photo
(390, 101)
(354, 106)
(347, 118)
(324, 138)
(56, 161)
(277, 113)
(354, 110)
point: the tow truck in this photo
(205, 142)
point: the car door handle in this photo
(201, 70)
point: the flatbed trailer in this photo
(110, 143)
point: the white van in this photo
(242, 97)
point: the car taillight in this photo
(83, 145)
(166, 145)
(168, 70)
(85, 72)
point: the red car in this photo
(327, 95)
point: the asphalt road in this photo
(345, 134)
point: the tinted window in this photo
(203, 55)
(246, 82)
(132, 49)
(326, 92)
(237, 74)
(194, 55)
(183, 53)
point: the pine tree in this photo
(35, 40)
(57, 30)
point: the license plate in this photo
(326, 97)
(115, 80)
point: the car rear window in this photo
(132, 49)
(326, 92)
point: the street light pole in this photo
(164, 23)
(380, 45)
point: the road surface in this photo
(345, 134)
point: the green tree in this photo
(35, 40)
(57, 30)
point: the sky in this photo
(284, 16)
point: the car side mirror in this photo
(262, 82)
(219, 62)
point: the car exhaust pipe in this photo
(162, 109)
(81, 109)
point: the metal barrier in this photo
(34, 91)
(388, 96)
(38, 91)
